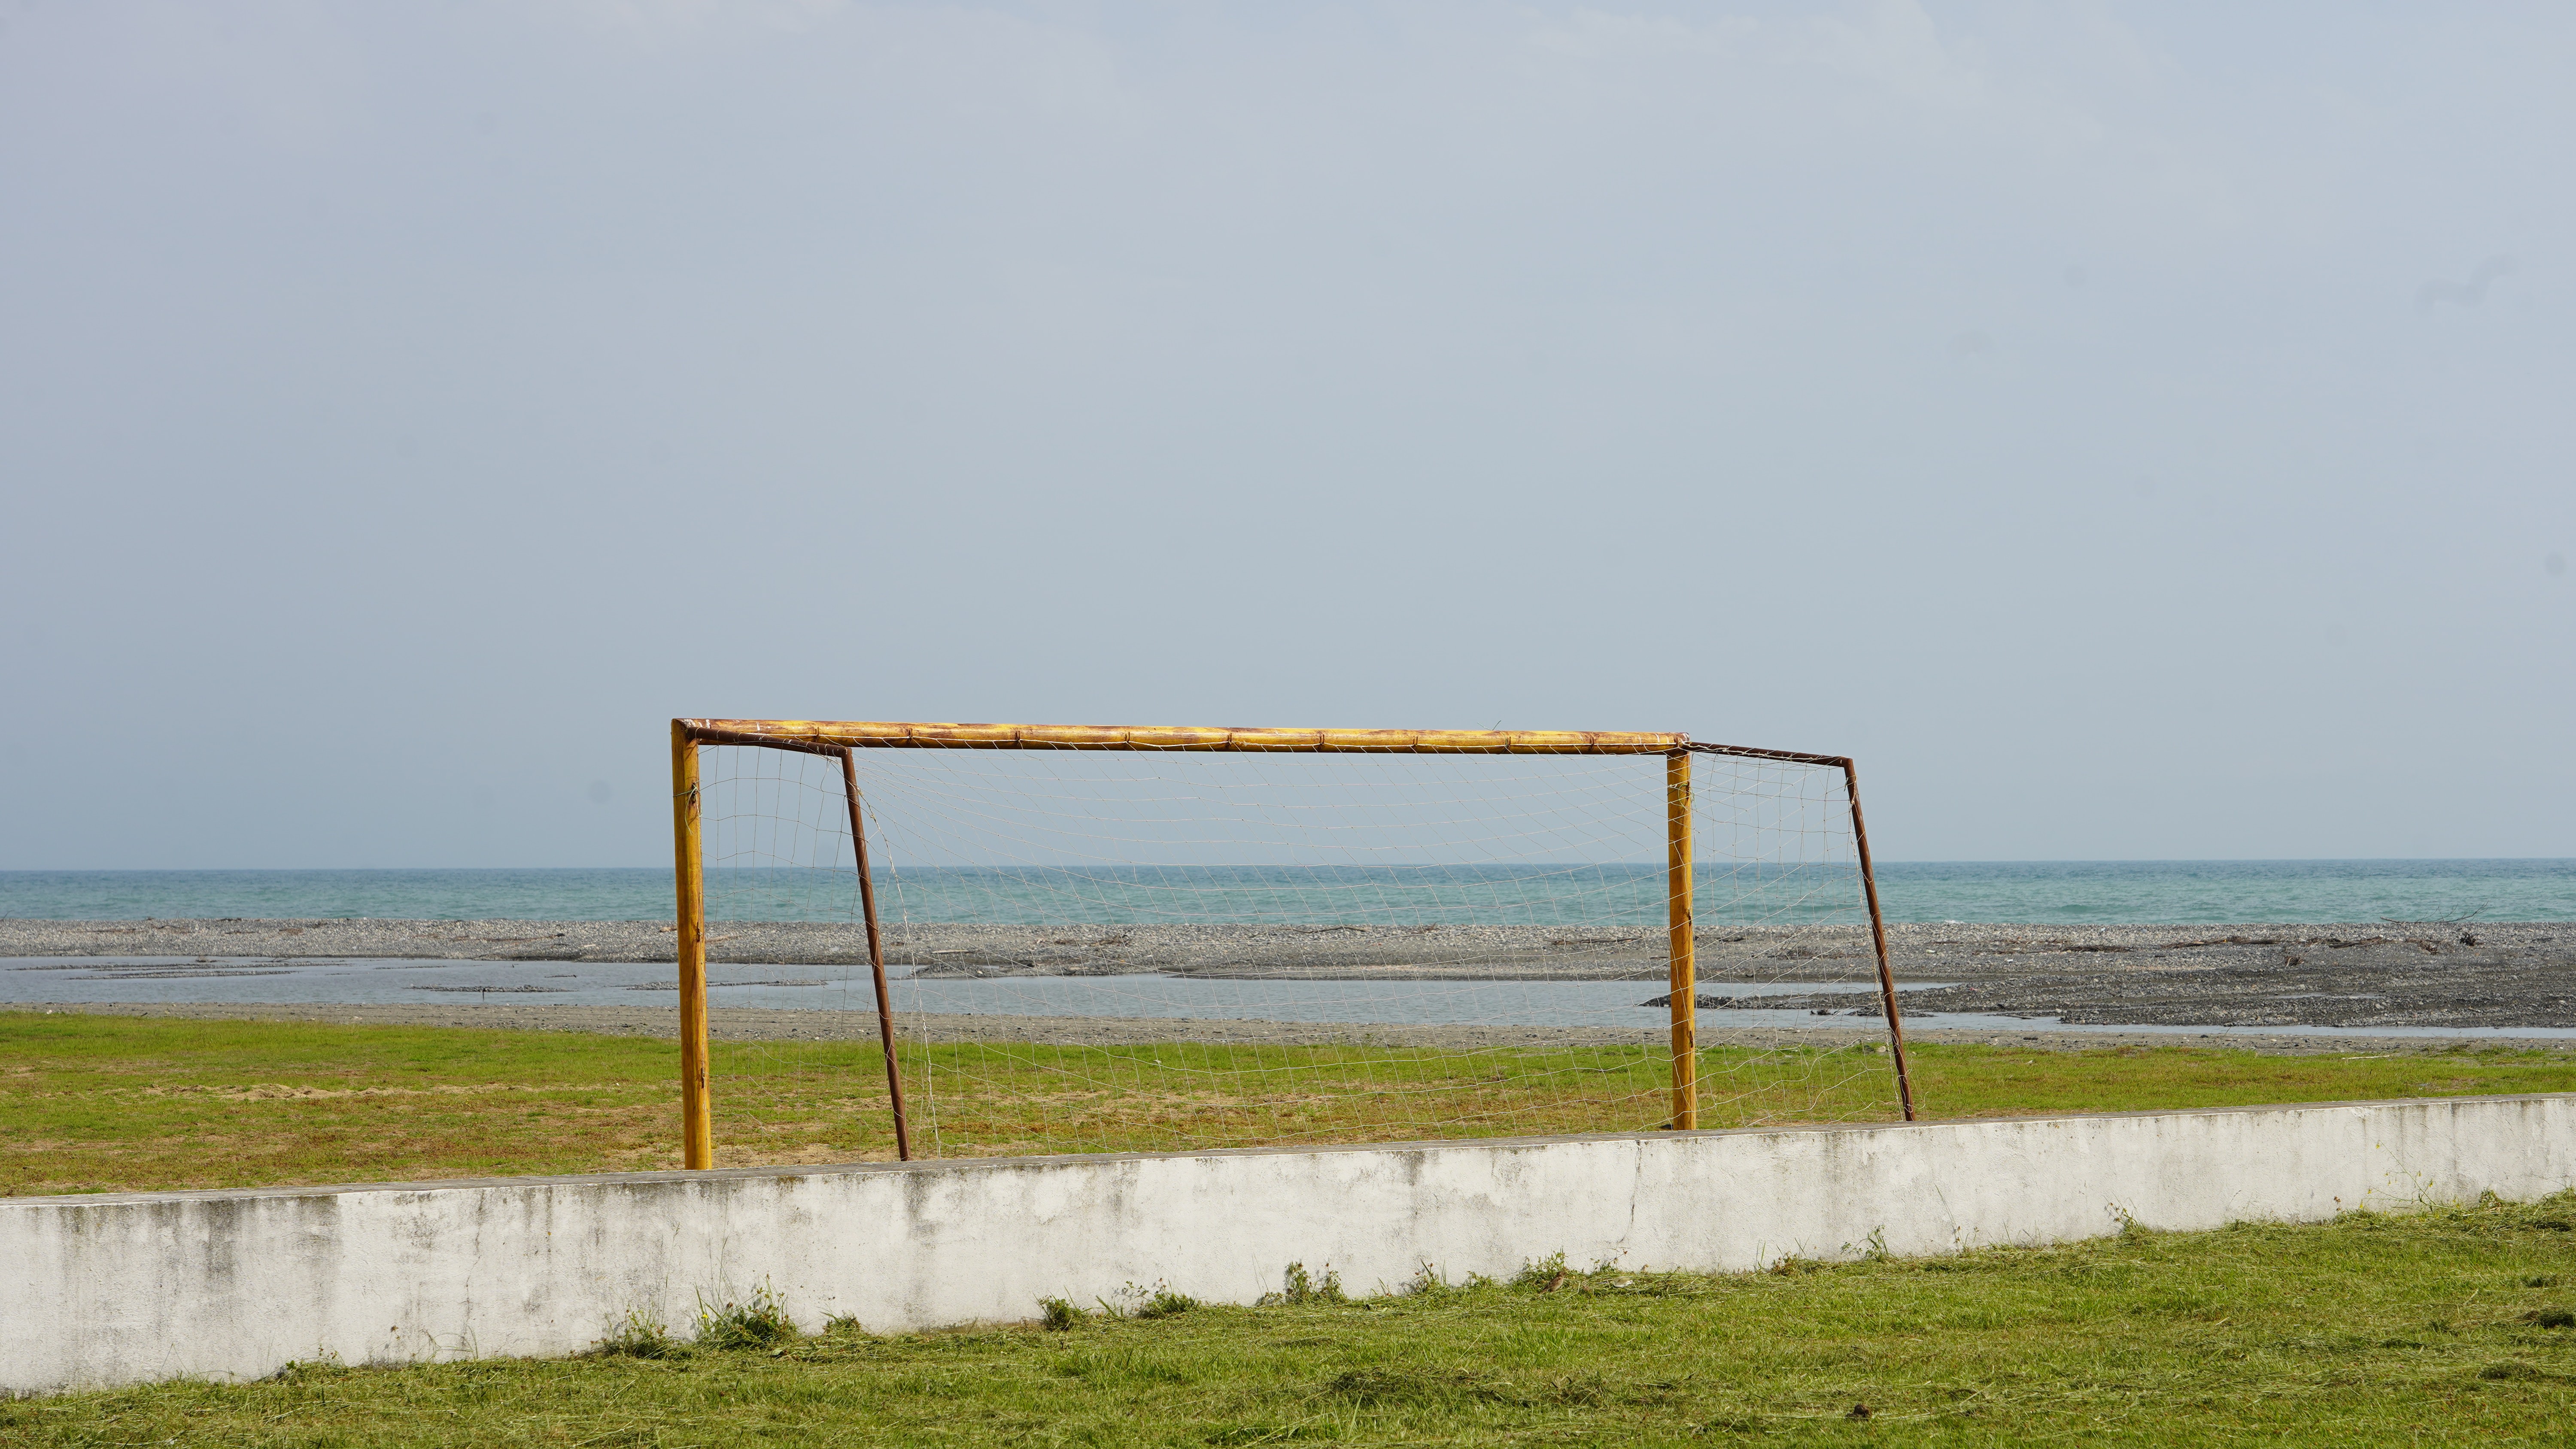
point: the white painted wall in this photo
(108, 1290)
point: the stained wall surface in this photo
(122, 1289)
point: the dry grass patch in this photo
(101, 1103)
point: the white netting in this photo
(1151, 950)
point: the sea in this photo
(2082, 892)
(2036, 892)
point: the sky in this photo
(2132, 431)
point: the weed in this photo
(1297, 1286)
(1164, 1303)
(759, 1321)
(1546, 1274)
(641, 1334)
(325, 1365)
(1135, 1300)
(2553, 1317)
(1426, 1282)
(1057, 1315)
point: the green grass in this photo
(103, 1103)
(2452, 1326)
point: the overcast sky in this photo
(2132, 431)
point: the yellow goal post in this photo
(838, 742)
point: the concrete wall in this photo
(106, 1290)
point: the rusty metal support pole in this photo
(1878, 936)
(697, 1122)
(1677, 910)
(876, 954)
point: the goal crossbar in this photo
(843, 738)
(877, 734)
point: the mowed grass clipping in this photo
(111, 1104)
(2452, 1326)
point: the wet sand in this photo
(2385, 974)
(1558, 953)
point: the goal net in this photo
(1094, 940)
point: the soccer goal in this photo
(966, 940)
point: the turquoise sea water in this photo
(2072, 892)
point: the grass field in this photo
(99, 1103)
(2455, 1326)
